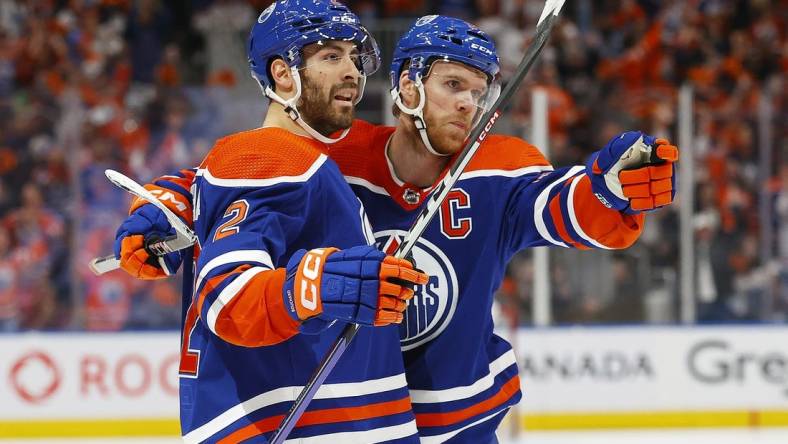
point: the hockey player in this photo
(462, 377)
(284, 257)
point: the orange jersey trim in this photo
(498, 152)
(256, 316)
(558, 220)
(263, 153)
(362, 155)
(506, 391)
(325, 416)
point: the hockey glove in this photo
(361, 285)
(145, 225)
(634, 172)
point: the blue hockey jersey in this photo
(258, 197)
(462, 377)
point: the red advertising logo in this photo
(34, 389)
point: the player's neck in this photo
(276, 117)
(411, 161)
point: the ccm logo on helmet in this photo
(481, 48)
(343, 19)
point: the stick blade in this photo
(551, 7)
(120, 180)
(101, 265)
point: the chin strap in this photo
(417, 113)
(292, 110)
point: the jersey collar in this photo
(407, 195)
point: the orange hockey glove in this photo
(634, 172)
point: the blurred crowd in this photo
(628, 59)
(146, 86)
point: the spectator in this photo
(86, 86)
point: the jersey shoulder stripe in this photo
(263, 154)
(506, 156)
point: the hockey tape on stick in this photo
(543, 29)
(101, 265)
(184, 236)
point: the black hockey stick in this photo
(543, 29)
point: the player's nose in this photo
(350, 71)
(465, 102)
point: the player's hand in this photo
(634, 172)
(361, 285)
(146, 224)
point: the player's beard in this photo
(316, 107)
(444, 139)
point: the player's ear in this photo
(284, 84)
(408, 90)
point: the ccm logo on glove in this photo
(309, 282)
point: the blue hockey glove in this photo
(634, 172)
(146, 224)
(361, 285)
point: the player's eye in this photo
(453, 84)
(332, 57)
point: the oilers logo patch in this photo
(433, 304)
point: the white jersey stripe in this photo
(228, 293)
(437, 439)
(289, 394)
(362, 437)
(506, 173)
(206, 174)
(366, 184)
(541, 202)
(570, 204)
(456, 393)
(246, 256)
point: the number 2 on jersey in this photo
(190, 359)
(237, 212)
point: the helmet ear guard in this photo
(417, 113)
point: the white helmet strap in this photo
(292, 110)
(417, 113)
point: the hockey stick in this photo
(543, 29)
(184, 237)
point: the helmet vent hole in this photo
(454, 40)
(478, 35)
(308, 24)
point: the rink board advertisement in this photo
(653, 376)
(97, 383)
(126, 383)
